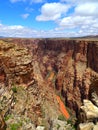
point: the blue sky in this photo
(48, 18)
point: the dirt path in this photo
(63, 108)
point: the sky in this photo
(48, 18)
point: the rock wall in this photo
(74, 64)
(15, 63)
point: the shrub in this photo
(62, 118)
(14, 89)
(14, 126)
(7, 117)
(58, 126)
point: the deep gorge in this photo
(66, 67)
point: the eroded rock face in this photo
(93, 92)
(72, 62)
(15, 63)
(64, 67)
(75, 64)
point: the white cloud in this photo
(25, 16)
(88, 9)
(17, 31)
(21, 31)
(52, 11)
(77, 21)
(82, 25)
(83, 20)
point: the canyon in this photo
(34, 71)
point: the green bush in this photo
(58, 126)
(7, 117)
(62, 118)
(14, 89)
(14, 126)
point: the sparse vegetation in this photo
(61, 117)
(7, 117)
(15, 126)
(14, 89)
(58, 126)
(72, 121)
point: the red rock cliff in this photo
(73, 64)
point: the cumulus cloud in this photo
(17, 31)
(52, 11)
(82, 25)
(83, 20)
(87, 9)
(21, 31)
(77, 21)
(25, 16)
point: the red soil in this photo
(63, 108)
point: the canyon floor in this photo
(48, 84)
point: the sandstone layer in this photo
(44, 68)
(73, 64)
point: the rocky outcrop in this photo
(88, 116)
(86, 126)
(93, 92)
(15, 63)
(90, 111)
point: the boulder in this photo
(95, 98)
(61, 125)
(40, 128)
(86, 126)
(95, 127)
(90, 110)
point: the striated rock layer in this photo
(74, 64)
(66, 66)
